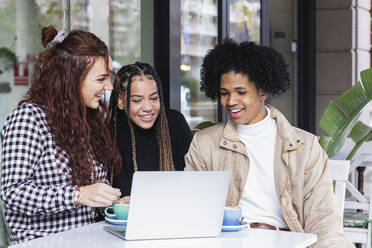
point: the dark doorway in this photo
(306, 65)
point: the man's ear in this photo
(263, 95)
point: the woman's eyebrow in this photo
(136, 95)
(103, 75)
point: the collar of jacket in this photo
(291, 141)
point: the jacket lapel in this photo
(230, 139)
(287, 140)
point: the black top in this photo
(147, 147)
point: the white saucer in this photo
(242, 225)
(116, 221)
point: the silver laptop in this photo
(177, 204)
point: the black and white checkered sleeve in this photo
(23, 160)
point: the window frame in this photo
(167, 56)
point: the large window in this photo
(20, 26)
(245, 20)
(198, 34)
(127, 27)
(117, 22)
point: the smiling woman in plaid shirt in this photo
(57, 150)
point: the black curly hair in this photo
(264, 66)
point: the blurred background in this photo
(325, 43)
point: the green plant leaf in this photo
(352, 99)
(332, 120)
(366, 77)
(8, 55)
(324, 141)
(338, 121)
(360, 131)
(204, 124)
(359, 134)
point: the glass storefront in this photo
(117, 22)
(198, 34)
(20, 25)
(245, 20)
(199, 31)
(127, 28)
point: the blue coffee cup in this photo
(232, 216)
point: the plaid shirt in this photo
(36, 187)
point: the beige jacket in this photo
(301, 176)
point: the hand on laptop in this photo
(98, 195)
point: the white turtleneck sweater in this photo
(259, 200)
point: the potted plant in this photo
(8, 55)
(342, 120)
(339, 122)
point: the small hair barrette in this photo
(59, 38)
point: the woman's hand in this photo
(98, 195)
(125, 200)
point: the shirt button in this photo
(298, 141)
(224, 142)
(234, 146)
(290, 145)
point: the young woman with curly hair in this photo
(57, 148)
(279, 175)
(149, 137)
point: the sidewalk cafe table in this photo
(93, 236)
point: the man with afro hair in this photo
(279, 174)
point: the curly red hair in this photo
(79, 131)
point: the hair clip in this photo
(59, 38)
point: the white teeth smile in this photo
(235, 110)
(146, 116)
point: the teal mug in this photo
(121, 211)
